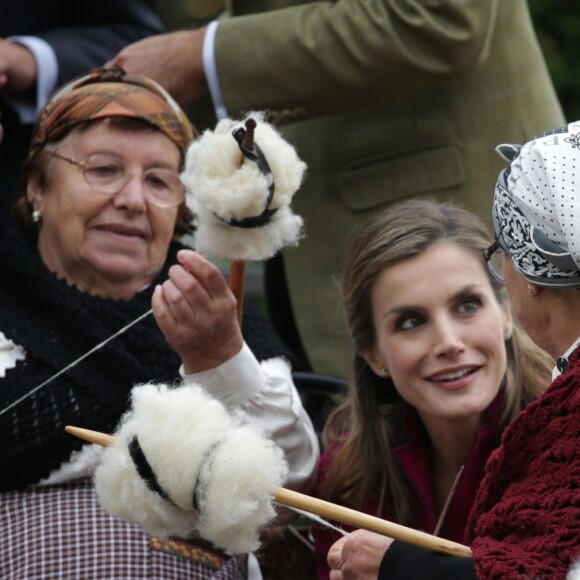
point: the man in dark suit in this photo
(384, 100)
(50, 42)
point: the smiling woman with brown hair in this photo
(440, 370)
(94, 250)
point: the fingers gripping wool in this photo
(223, 185)
(217, 474)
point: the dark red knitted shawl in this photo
(526, 520)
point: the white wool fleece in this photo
(189, 439)
(223, 185)
(220, 240)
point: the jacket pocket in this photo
(383, 181)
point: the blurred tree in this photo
(557, 25)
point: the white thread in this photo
(319, 520)
(76, 362)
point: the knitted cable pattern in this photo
(526, 519)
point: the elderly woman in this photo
(94, 249)
(526, 519)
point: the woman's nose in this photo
(448, 339)
(132, 195)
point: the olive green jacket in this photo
(384, 100)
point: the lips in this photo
(454, 379)
(452, 375)
(122, 230)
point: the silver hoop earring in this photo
(36, 215)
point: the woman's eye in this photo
(104, 170)
(408, 323)
(157, 181)
(470, 305)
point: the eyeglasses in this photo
(108, 174)
(494, 260)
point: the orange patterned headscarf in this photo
(106, 93)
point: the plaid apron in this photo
(62, 533)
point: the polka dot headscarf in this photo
(536, 209)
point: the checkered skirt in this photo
(62, 533)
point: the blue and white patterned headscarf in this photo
(536, 208)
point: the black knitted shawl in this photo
(55, 324)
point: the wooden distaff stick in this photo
(329, 510)
(237, 279)
(238, 267)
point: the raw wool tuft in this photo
(221, 240)
(223, 185)
(189, 438)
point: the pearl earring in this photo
(382, 372)
(36, 215)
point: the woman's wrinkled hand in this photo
(196, 311)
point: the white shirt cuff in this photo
(232, 382)
(47, 75)
(210, 68)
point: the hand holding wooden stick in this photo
(329, 510)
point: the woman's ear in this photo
(374, 360)
(508, 319)
(34, 192)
